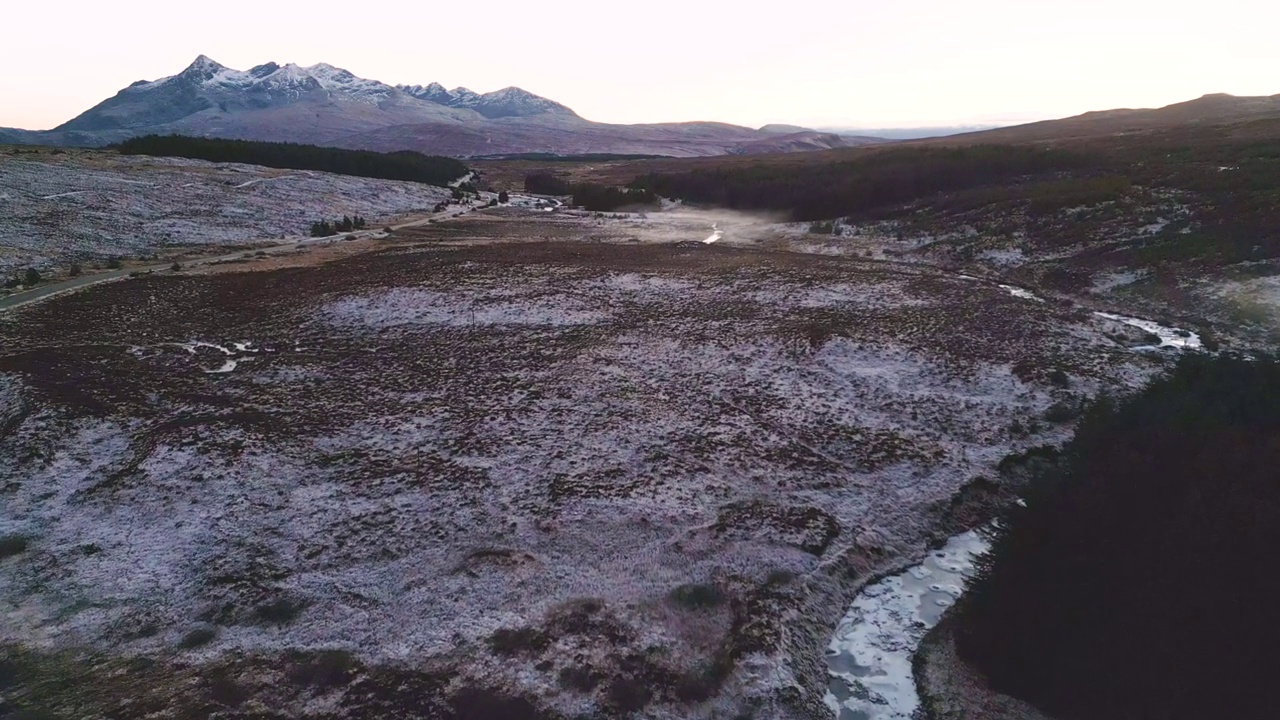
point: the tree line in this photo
(589, 196)
(853, 186)
(400, 165)
(1136, 581)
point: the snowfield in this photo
(496, 470)
(85, 206)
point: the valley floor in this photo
(519, 463)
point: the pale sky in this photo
(852, 63)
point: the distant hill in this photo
(1218, 109)
(781, 129)
(329, 106)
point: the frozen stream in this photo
(1169, 336)
(870, 655)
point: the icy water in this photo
(1169, 336)
(870, 656)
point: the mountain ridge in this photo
(326, 105)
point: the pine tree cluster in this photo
(1134, 581)
(400, 165)
(324, 228)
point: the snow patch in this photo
(404, 306)
(1021, 293)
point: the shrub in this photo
(74, 271)
(697, 596)
(113, 263)
(1061, 412)
(11, 545)
(31, 277)
(779, 577)
(199, 636)
(579, 678)
(280, 611)
(628, 695)
(325, 668)
(508, 641)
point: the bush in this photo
(579, 678)
(11, 545)
(31, 277)
(323, 668)
(113, 263)
(1129, 584)
(697, 597)
(74, 271)
(199, 636)
(503, 197)
(1061, 412)
(280, 611)
(507, 641)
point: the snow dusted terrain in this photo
(512, 465)
(86, 206)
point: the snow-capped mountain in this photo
(210, 98)
(508, 102)
(326, 105)
(433, 92)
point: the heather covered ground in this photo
(543, 464)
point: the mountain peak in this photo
(263, 70)
(203, 65)
(517, 102)
(432, 92)
(464, 97)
